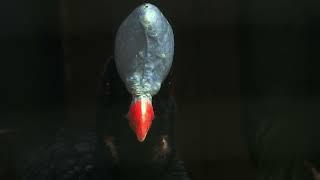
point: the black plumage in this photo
(154, 158)
(111, 151)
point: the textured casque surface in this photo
(144, 50)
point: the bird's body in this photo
(138, 74)
(156, 156)
(110, 152)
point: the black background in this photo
(231, 58)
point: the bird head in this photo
(144, 49)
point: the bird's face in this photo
(143, 55)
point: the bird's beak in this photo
(140, 117)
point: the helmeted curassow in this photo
(128, 144)
(136, 107)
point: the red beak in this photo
(140, 117)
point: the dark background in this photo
(236, 63)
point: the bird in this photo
(111, 150)
(134, 135)
(140, 141)
(156, 156)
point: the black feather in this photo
(111, 151)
